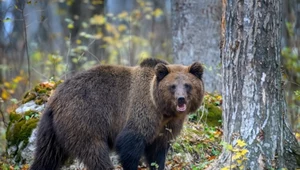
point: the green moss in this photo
(28, 96)
(19, 131)
(40, 93)
(211, 112)
(214, 115)
(13, 117)
(20, 126)
(4, 166)
(40, 89)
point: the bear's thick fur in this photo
(134, 110)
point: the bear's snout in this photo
(181, 104)
(181, 101)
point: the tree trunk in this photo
(196, 37)
(253, 103)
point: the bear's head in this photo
(177, 89)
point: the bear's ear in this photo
(196, 69)
(161, 70)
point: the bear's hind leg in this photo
(96, 156)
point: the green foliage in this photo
(289, 27)
(19, 130)
(154, 165)
(199, 142)
(211, 111)
(297, 94)
(292, 62)
(4, 166)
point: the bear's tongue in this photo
(181, 107)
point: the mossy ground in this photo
(21, 125)
(19, 130)
(210, 113)
(40, 93)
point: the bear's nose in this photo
(181, 100)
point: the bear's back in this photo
(101, 95)
(96, 96)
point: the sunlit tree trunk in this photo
(196, 37)
(253, 102)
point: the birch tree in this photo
(196, 35)
(253, 103)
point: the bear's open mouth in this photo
(181, 107)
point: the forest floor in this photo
(196, 147)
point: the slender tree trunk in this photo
(196, 37)
(253, 102)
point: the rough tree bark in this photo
(196, 35)
(253, 102)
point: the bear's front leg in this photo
(130, 147)
(156, 153)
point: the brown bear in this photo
(135, 111)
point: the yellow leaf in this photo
(236, 156)
(233, 166)
(4, 95)
(6, 84)
(78, 41)
(109, 27)
(225, 168)
(122, 27)
(148, 9)
(144, 55)
(97, 2)
(70, 2)
(239, 162)
(26, 166)
(141, 3)
(123, 15)
(229, 147)
(157, 12)
(241, 143)
(235, 150)
(99, 35)
(97, 20)
(244, 151)
(70, 26)
(108, 40)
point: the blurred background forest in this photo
(50, 40)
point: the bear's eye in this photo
(188, 87)
(173, 87)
